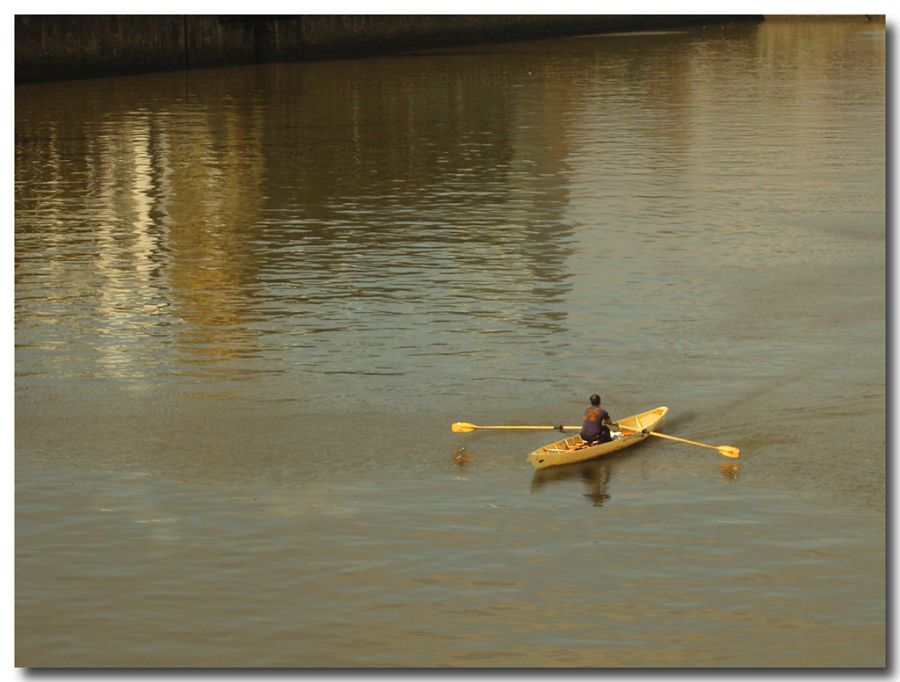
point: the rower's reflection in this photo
(595, 474)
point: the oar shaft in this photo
(464, 427)
(682, 440)
(725, 450)
(544, 428)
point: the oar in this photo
(726, 450)
(464, 427)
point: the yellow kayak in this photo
(574, 449)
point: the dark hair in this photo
(595, 399)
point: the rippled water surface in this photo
(249, 303)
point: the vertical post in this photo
(184, 33)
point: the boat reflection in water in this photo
(595, 473)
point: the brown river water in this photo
(249, 303)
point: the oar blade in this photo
(462, 427)
(729, 451)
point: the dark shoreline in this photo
(62, 47)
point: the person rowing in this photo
(595, 423)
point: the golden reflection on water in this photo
(230, 219)
(222, 220)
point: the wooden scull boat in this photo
(574, 449)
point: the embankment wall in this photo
(55, 47)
